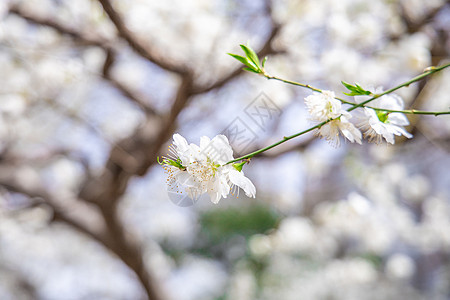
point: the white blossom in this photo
(330, 131)
(400, 266)
(195, 170)
(324, 106)
(379, 124)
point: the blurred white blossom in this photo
(400, 266)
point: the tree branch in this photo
(113, 238)
(105, 190)
(97, 41)
(136, 44)
(58, 213)
(123, 89)
(413, 26)
(90, 41)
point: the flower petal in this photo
(214, 196)
(204, 142)
(397, 130)
(220, 150)
(243, 182)
(350, 132)
(180, 142)
(398, 119)
(391, 101)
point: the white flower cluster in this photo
(324, 106)
(376, 123)
(196, 170)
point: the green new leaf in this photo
(264, 61)
(251, 70)
(251, 55)
(355, 90)
(242, 59)
(251, 60)
(250, 65)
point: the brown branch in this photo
(58, 213)
(135, 97)
(62, 29)
(106, 190)
(182, 98)
(185, 91)
(152, 146)
(90, 41)
(414, 26)
(129, 251)
(113, 238)
(136, 44)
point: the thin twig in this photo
(428, 72)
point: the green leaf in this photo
(264, 61)
(355, 90)
(242, 59)
(251, 55)
(251, 70)
(363, 90)
(347, 85)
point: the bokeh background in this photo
(91, 93)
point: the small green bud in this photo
(264, 62)
(238, 166)
(382, 116)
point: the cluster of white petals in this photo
(324, 106)
(197, 170)
(379, 124)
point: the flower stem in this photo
(285, 139)
(412, 111)
(406, 111)
(428, 72)
(307, 86)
